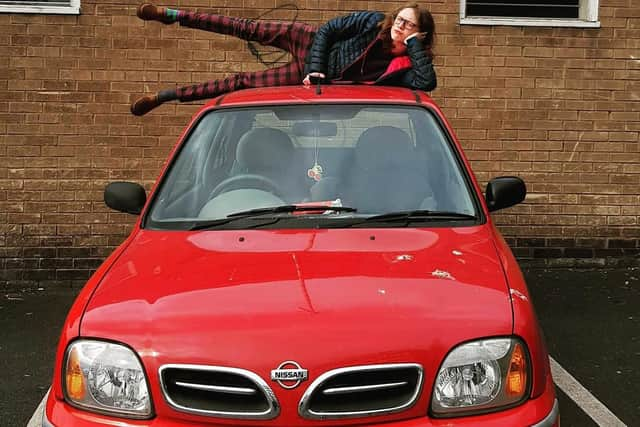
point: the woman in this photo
(367, 47)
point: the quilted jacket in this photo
(341, 41)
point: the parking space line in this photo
(36, 418)
(583, 398)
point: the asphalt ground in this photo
(591, 320)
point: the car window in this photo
(373, 158)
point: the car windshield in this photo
(280, 166)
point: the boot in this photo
(145, 104)
(150, 12)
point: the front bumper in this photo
(540, 412)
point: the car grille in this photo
(218, 391)
(362, 391)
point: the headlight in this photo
(106, 378)
(481, 376)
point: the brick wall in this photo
(559, 107)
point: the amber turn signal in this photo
(74, 379)
(517, 374)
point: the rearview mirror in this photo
(504, 191)
(127, 197)
(310, 129)
(320, 112)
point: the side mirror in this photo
(504, 191)
(127, 197)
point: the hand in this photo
(307, 80)
(419, 36)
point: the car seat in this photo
(269, 152)
(385, 175)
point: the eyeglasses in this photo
(400, 22)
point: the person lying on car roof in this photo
(372, 47)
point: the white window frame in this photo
(588, 18)
(34, 6)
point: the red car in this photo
(309, 257)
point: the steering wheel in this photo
(246, 180)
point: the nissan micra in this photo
(309, 256)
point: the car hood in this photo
(321, 297)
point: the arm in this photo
(337, 29)
(422, 74)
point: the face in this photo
(405, 24)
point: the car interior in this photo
(375, 159)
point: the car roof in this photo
(330, 94)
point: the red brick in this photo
(555, 105)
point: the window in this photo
(374, 158)
(69, 7)
(556, 13)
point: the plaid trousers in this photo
(293, 37)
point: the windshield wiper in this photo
(290, 208)
(251, 213)
(222, 221)
(418, 215)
